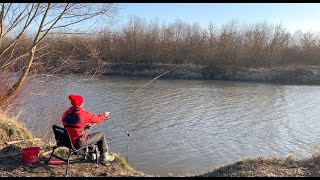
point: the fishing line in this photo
(149, 83)
(142, 87)
(128, 148)
(133, 94)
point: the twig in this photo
(14, 142)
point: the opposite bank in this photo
(291, 75)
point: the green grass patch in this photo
(123, 162)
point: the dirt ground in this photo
(13, 166)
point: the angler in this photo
(78, 121)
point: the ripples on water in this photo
(193, 126)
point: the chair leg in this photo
(54, 148)
(86, 154)
(97, 153)
(67, 172)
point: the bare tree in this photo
(42, 18)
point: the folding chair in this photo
(63, 140)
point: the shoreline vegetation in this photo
(234, 51)
(11, 162)
(289, 75)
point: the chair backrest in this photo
(62, 137)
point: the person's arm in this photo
(92, 118)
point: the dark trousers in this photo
(94, 138)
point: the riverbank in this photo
(290, 75)
(268, 167)
(11, 164)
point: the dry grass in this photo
(268, 167)
(12, 130)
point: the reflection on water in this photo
(190, 126)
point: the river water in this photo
(187, 126)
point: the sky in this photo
(293, 16)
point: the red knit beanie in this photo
(76, 100)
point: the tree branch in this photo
(20, 34)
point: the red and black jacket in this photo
(75, 120)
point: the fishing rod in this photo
(149, 82)
(133, 94)
(140, 89)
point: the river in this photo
(186, 126)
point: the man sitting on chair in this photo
(76, 120)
